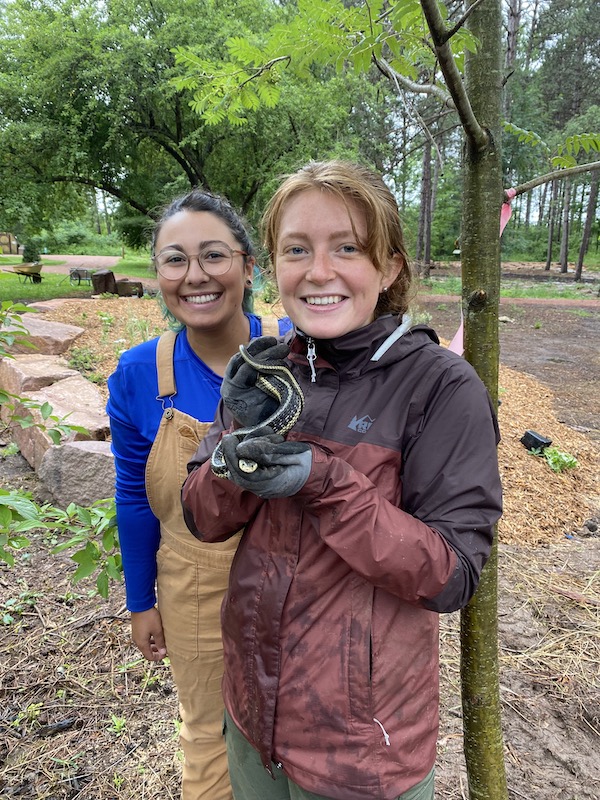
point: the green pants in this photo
(250, 780)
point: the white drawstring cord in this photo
(383, 730)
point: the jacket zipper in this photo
(311, 355)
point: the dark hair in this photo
(356, 183)
(202, 200)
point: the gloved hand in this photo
(250, 405)
(283, 467)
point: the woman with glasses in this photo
(163, 397)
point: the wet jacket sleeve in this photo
(431, 550)
(139, 529)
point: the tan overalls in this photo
(191, 581)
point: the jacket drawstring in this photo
(385, 733)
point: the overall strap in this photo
(164, 364)
(270, 326)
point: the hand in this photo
(147, 634)
(282, 467)
(249, 404)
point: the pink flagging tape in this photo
(456, 345)
(506, 210)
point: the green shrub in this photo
(31, 252)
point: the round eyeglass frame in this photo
(180, 272)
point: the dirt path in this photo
(556, 341)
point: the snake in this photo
(277, 381)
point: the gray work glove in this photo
(250, 405)
(282, 467)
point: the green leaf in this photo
(54, 435)
(102, 584)
(45, 410)
(19, 503)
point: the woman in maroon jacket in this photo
(372, 516)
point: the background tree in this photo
(87, 100)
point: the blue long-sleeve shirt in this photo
(135, 416)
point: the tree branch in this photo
(412, 86)
(109, 188)
(437, 28)
(458, 25)
(558, 174)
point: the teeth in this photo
(324, 301)
(201, 298)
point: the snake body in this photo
(275, 380)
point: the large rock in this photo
(78, 472)
(30, 373)
(73, 398)
(48, 338)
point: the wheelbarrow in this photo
(28, 272)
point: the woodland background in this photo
(101, 122)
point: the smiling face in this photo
(198, 300)
(328, 284)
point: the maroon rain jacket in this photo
(330, 623)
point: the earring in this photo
(385, 288)
(248, 282)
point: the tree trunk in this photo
(423, 262)
(482, 198)
(428, 204)
(106, 215)
(564, 237)
(589, 221)
(551, 216)
(95, 214)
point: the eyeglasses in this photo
(214, 260)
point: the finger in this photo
(261, 343)
(228, 446)
(264, 432)
(160, 646)
(278, 352)
(245, 377)
(265, 448)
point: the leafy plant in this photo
(85, 361)
(118, 724)
(91, 533)
(12, 329)
(18, 605)
(16, 410)
(28, 715)
(557, 460)
(18, 514)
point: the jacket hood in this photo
(386, 340)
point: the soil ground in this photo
(84, 717)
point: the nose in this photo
(321, 267)
(195, 273)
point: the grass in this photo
(452, 286)
(52, 286)
(10, 261)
